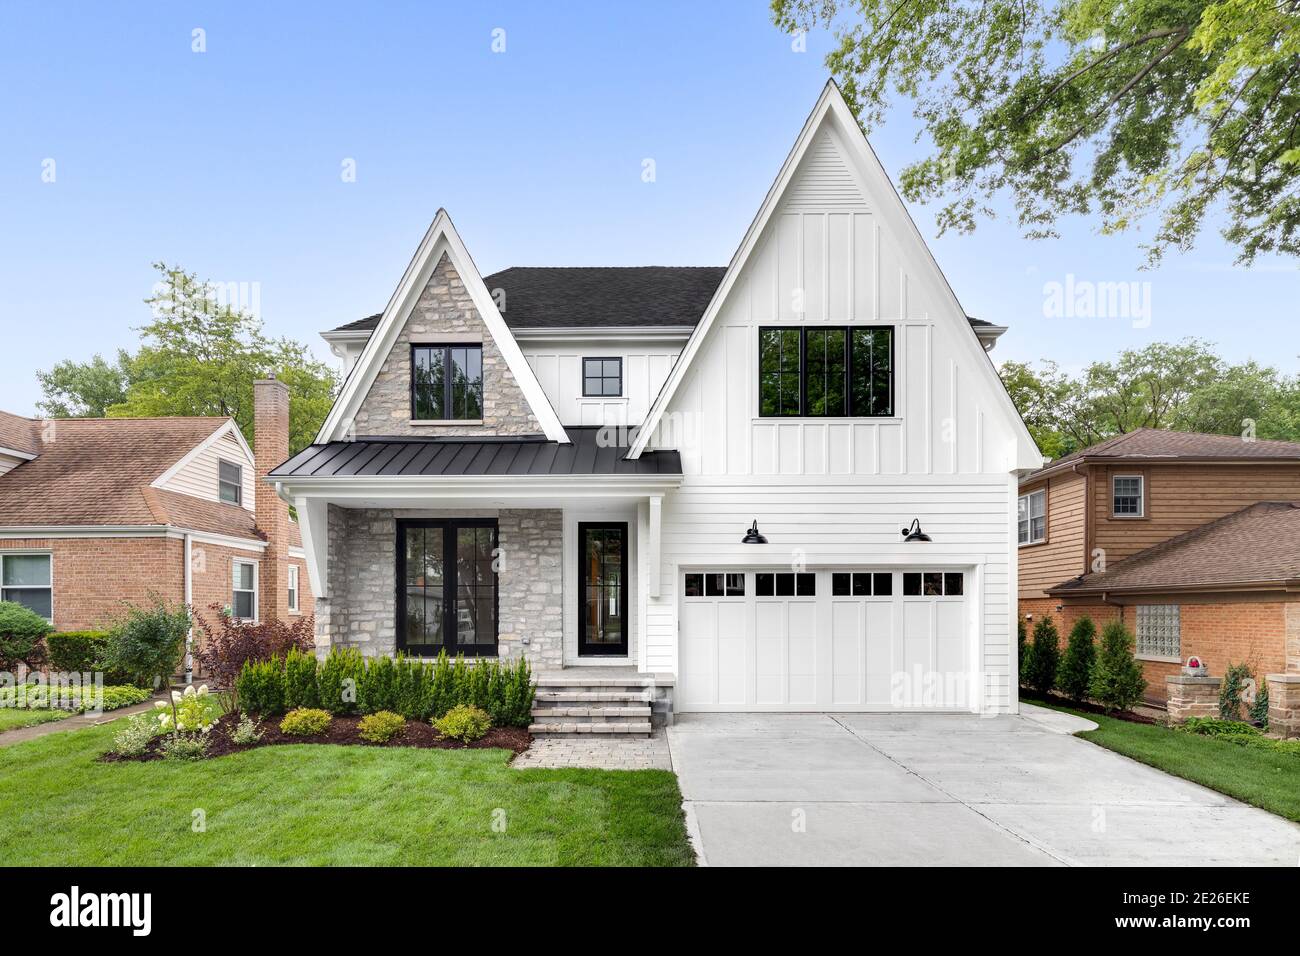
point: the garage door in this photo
(844, 639)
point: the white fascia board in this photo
(228, 428)
(476, 486)
(15, 453)
(440, 238)
(131, 531)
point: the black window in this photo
(447, 586)
(230, 482)
(933, 583)
(602, 376)
(785, 585)
(862, 583)
(826, 372)
(447, 382)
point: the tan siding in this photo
(1063, 555)
(200, 477)
(1180, 497)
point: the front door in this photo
(602, 589)
(447, 587)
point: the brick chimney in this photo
(271, 448)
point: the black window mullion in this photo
(803, 371)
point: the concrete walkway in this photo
(929, 789)
(75, 722)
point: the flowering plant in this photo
(194, 711)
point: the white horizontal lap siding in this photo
(559, 370)
(200, 476)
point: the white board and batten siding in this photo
(835, 492)
(199, 476)
(558, 367)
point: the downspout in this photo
(189, 601)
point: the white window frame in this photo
(293, 590)
(1025, 527)
(29, 554)
(1141, 495)
(1149, 616)
(239, 484)
(234, 564)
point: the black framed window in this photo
(230, 482)
(843, 371)
(447, 382)
(447, 586)
(934, 583)
(602, 377)
(603, 588)
(785, 584)
(862, 584)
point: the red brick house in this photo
(1192, 540)
(95, 513)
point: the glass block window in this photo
(1159, 631)
(1126, 495)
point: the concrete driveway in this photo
(928, 789)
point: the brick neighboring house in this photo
(1192, 540)
(97, 513)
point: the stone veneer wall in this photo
(360, 609)
(444, 307)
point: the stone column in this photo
(1192, 697)
(1284, 704)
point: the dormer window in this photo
(447, 383)
(230, 482)
(602, 377)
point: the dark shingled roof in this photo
(541, 297)
(1258, 545)
(449, 457)
(1146, 444)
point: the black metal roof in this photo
(450, 457)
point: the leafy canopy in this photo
(198, 356)
(1118, 107)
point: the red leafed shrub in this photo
(228, 643)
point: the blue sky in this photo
(229, 162)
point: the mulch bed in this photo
(1088, 707)
(343, 731)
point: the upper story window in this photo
(447, 382)
(25, 579)
(1127, 496)
(230, 482)
(602, 376)
(1031, 517)
(831, 372)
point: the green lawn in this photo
(331, 805)
(1267, 780)
(13, 717)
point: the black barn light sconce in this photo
(914, 532)
(752, 536)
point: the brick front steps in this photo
(570, 703)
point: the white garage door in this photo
(856, 639)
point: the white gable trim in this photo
(441, 238)
(226, 429)
(884, 201)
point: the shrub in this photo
(339, 680)
(1023, 652)
(77, 651)
(134, 735)
(193, 712)
(300, 680)
(247, 731)
(464, 722)
(414, 689)
(1117, 681)
(1259, 709)
(381, 726)
(378, 686)
(1231, 688)
(149, 643)
(1045, 657)
(1075, 674)
(228, 644)
(74, 697)
(122, 695)
(261, 687)
(184, 747)
(1218, 727)
(22, 634)
(306, 722)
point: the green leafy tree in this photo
(1075, 676)
(198, 356)
(1123, 108)
(1117, 681)
(1024, 651)
(1046, 656)
(22, 636)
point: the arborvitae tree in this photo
(1075, 675)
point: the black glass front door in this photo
(447, 586)
(602, 590)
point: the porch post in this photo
(656, 508)
(313, 522)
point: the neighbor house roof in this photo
(1155, 444)
(1256, 546)
(18, 433)
(97, 471)
(586, 454)
(542, 297)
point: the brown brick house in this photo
(96, 513)
(1193, 540)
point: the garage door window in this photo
(715, 584)
(934, 583)
(785, 585)
(862, 584)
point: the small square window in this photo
(841, 583)
(765, 584)
(230, 482)
(911, 583)
(713, 585)
(1159, 631)
(694, 585)
(785, 585)
(602, 377)
(882, 583)
(735, 585)
(806, 585)
(861, 585)
(954, 583)
(932, 583)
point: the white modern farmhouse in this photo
(788, 484)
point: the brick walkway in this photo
(601, 753)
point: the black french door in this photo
(602, 588)
(447, 586)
